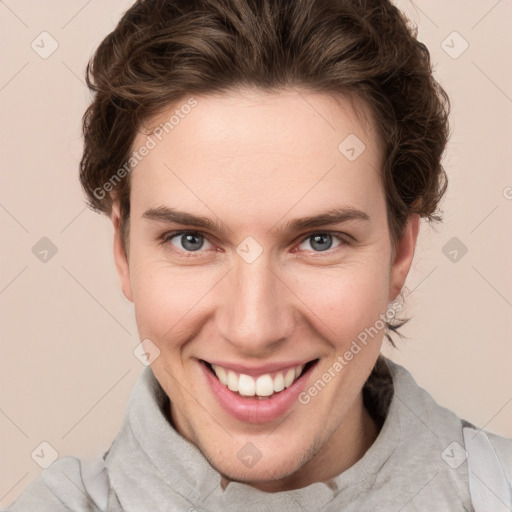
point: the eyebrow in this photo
(330, 217)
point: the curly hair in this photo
(163, 50)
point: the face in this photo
(258, 253)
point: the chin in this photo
(251, 466)
(261, 474)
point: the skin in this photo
(254, 161)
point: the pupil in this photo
(192, 242)
(321, 242)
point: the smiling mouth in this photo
(262, 387)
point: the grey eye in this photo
(188, 241)
(320, 242)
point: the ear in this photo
(403, 255)
(120, 256)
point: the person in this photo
(266, 164)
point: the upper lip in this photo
(257, 370)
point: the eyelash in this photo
(344, 239)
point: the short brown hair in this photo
(163, 50)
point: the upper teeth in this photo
(264, 385)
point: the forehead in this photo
(255, 151)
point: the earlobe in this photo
(120, 256)
(404, 253)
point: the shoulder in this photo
(59, 488)
(489, 459)
(503, 449)
(464, 447)
(497, 448)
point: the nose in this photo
(255, 311)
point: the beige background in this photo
(67, 333)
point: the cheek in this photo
(172, 304)
(345, 300)
(167, 301)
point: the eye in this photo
(187, 241)
(321, 242)
(193, 241)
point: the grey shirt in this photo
(153, 468)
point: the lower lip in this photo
(252, 409)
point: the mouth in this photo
(263, 386)
(259, 397)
